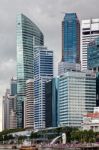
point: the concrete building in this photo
(76, 96)
(29, 105)
(13, 119)
(28, 36)
(63, 67)
(12, 112)
(89, 32)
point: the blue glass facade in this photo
(13, 87)
(71, 38)
(43, 62)
(93, 55)
(43, 71)
(54, 101)
(93, 63)
(28, 35)
(51, 96)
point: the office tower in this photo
(28, 35)
(13, 119)
(76, 96)
(9, 106)
(93, 63)
(13, 87)
(5, 110)
(12, 112)
(63, 67)
(93, 55)
(29, 105)
(89, 32)
(51, 95)
(71, 38)
(43, 71)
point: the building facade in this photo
(51, 98)
(91, 121)
(43, 71)
(76, 96)
(89, 32)
(13, 87)
(28, 35)
(29, 105)
(5, 110)
(63, 67)
(93, 63)
(9, 111)
(71, 38)
(93, 55)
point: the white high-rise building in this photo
(76, 96)
(89, 32)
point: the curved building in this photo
(28, 36)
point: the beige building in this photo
(29, 105)
(13, 120)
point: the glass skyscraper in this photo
(13, 87)
(93, 55)
(43, 71)
(71, 38)
(93, 62)
(51, 96)
(28, 35)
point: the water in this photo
(2, 148)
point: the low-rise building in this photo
(91, 120)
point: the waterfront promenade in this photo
(88, 146)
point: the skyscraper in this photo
(51, 98)
(76, 96)
(93, 62)
(13, 86)
(5, 110)
(29, 105)
(71, 38)
(89, 32)
(43, 71)
(93, 55)
(9, 111)
(28, 35)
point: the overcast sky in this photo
(47, 14)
